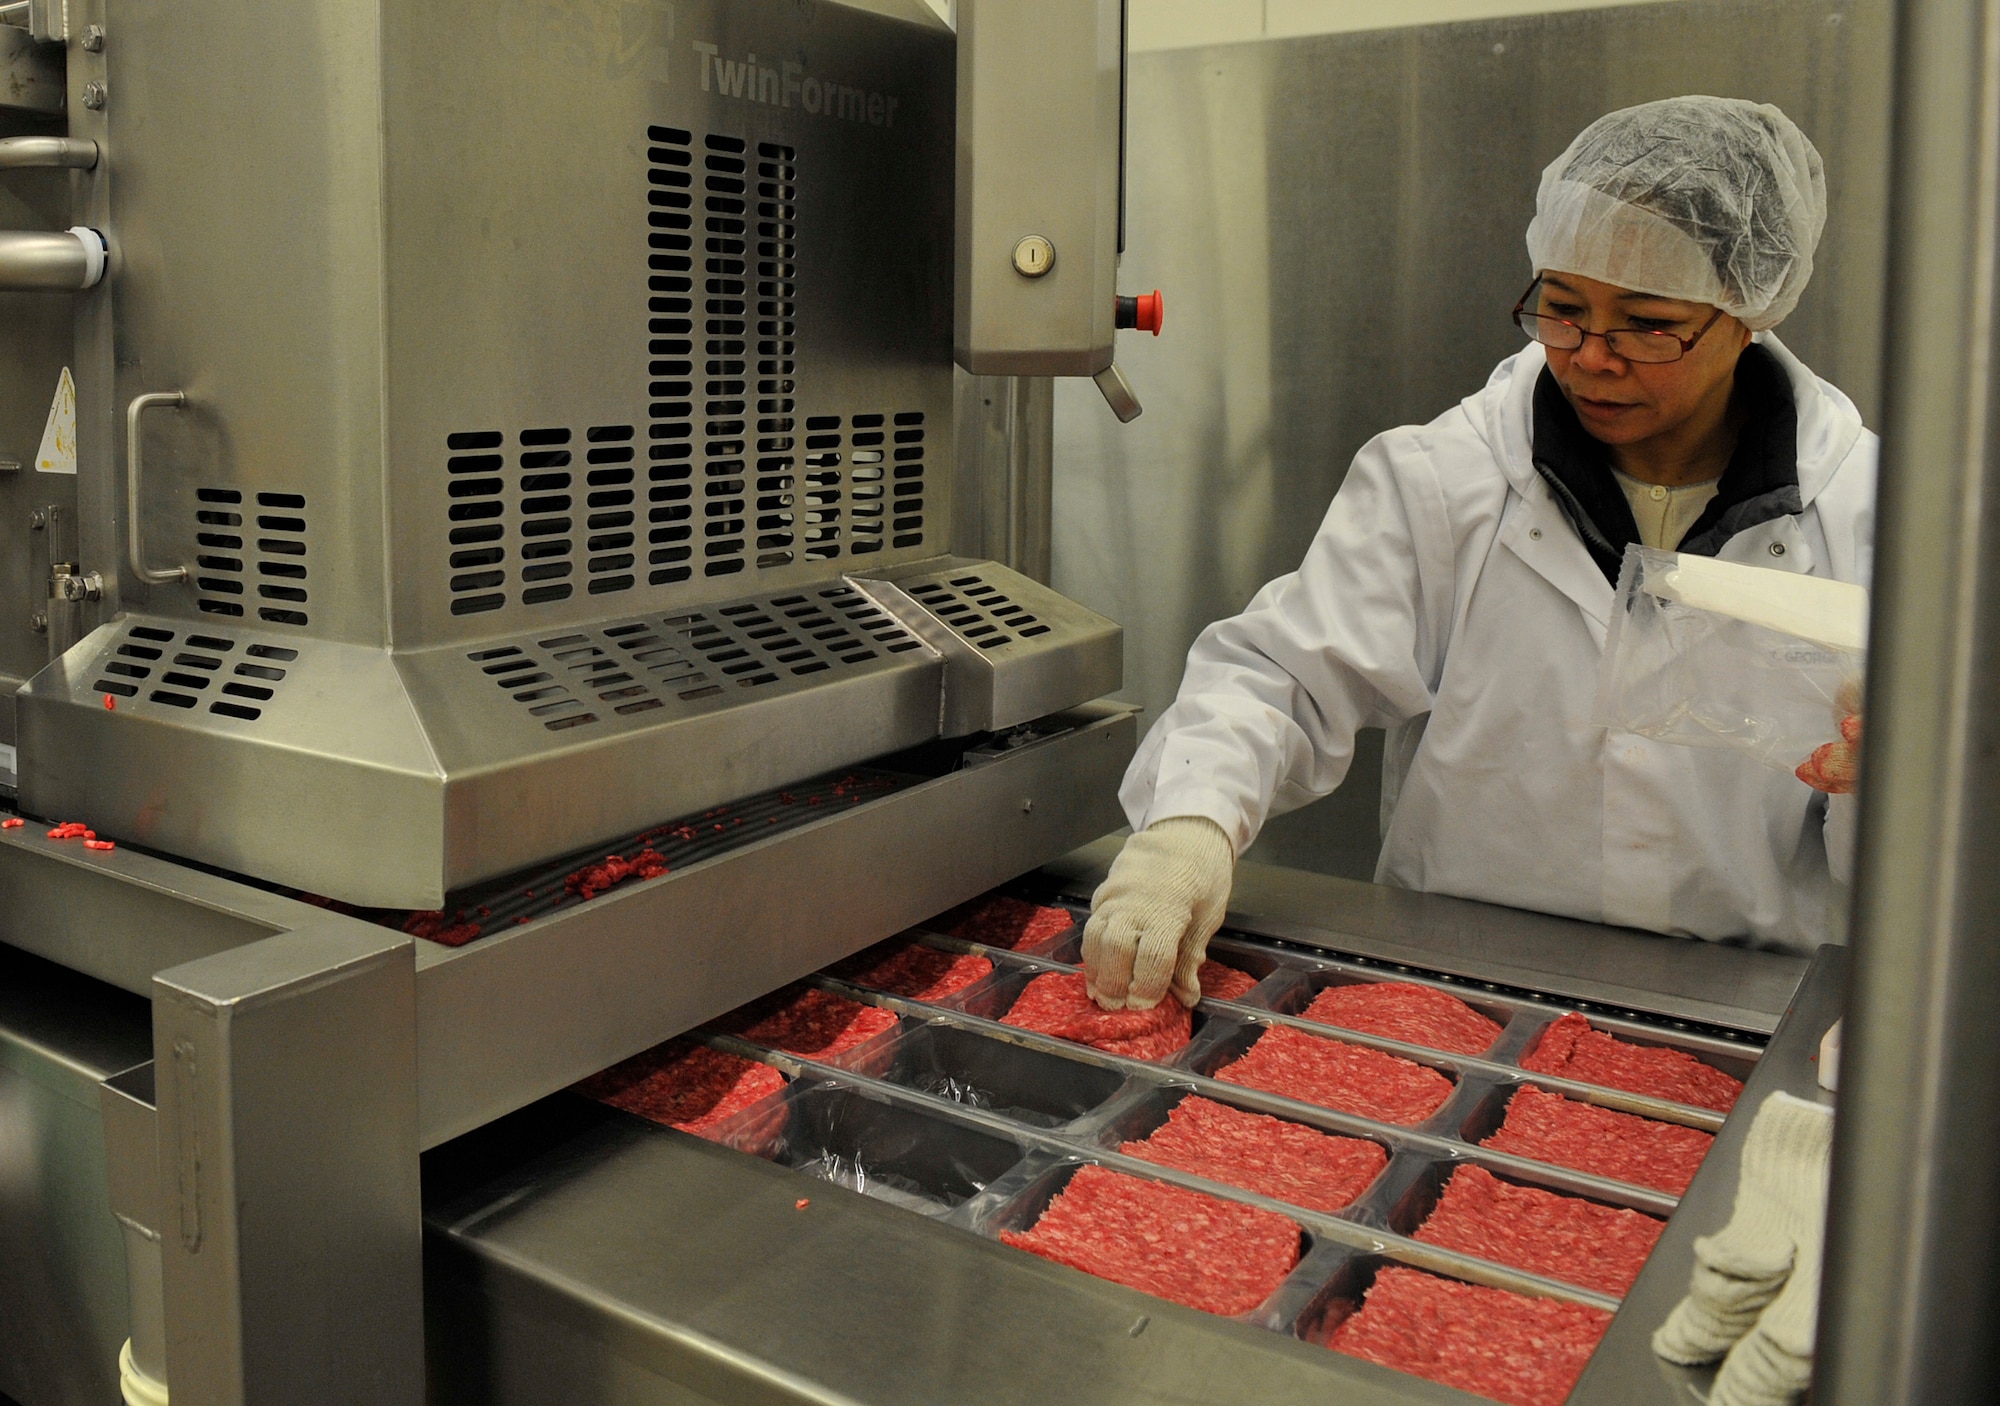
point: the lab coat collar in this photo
(1829, 425)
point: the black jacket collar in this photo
(1761, 482)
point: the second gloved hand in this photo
(1152, 917)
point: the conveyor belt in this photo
(978, 1125)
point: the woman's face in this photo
(1628, 402)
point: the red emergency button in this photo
(1145, 312)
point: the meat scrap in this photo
(1285, 1161)
(1563, 1237)
(1164, 1240)
(1059, 1004)
(918, 972)
(998, 921)
(685, 1085)
(1335, 1074)
(613, 870)
(808, 1022)
(1223, 983)
(1520, 1350)
(1602, 1141)
(1573, 1049)
(436, 925)
(1407, 1011)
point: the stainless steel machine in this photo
(469, 443)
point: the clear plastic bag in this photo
(1710, 653)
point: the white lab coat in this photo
(1448, 599)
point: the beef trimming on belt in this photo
(1335, 1074)
(1603, 1141)
(1198, 1250)
(684, 1085)
(1285, 1161)
(998, 921)
(1520, 1350)
(1407, 1011)
(1058, 1003)
(1563, 1237)
(1572, 1048)
(1223, 983)
(808, 1022)
(915, 971)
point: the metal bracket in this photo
(69, 584)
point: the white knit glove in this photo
(1152, 917)
(1755, 1289)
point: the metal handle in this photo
(19, 153)
(134, 461)
(1118, 393)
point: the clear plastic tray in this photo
(981, 1124)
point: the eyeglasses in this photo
(1626, 343)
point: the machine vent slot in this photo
(670, 352)
(977, 611)
(906, 507)
(823, 485)
(281, 558)
(474, 479)
(724, 381)
(610, 509)
(777, 506)
(548, 515)
(219, 554)
(532, 682)
(186, 674)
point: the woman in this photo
(1458, 591)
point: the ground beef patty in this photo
(1197, 1250)
(685, 1085)
(1285, 1161)
(1564, 1237)
(916, 971)
(808, 1022)
(1642, 1151)
(1335, 1074)
(1403, 1010)
(1223, 983)
(1520, 1350)
(1573, 1049)
(1012, 923)
(1057, 1003)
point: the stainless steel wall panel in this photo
(247, 214)
(519, 265)
(1337, 223)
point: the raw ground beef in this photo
(1512, 1348)
(916, 971)
(1602, 1141)
(1004, 922)
(1285, 1161)
(1335, 1074)
(1224, 983)
(1165, 1240)
(1057, 1003)
(1403, 1010)
(1564, 1237)
(808, 1022)
(684, 1085)
(1572, 1049)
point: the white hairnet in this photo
(1711, 200)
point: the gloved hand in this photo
(1762, 1268)
(1152, 917)
(1833, 767)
